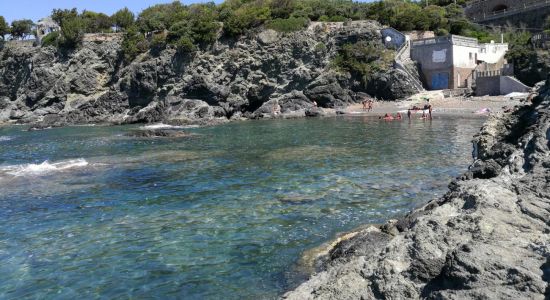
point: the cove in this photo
(89, 212)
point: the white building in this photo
(449, 62)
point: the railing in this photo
(454, 39)
(539, 40)
(512, 11)
(399, 63)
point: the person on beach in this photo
(370, 104)
(364, 102)
(429, 109)
(399, 117)
(409, 113)
(314, 103)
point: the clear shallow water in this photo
(225, 214)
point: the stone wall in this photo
(102, 37)
(487, 86)
(499, 85)
(503, 12)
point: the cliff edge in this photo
(487, 238)
(262, 74)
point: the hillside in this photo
(255, 75)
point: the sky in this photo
(37, 9)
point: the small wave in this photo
(43, 168)
(4, 138)
(161, 126)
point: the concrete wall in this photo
(453, 57)
(434, 59)
(392, 38)
(510, 84)
(417, 35)
(488, 86)
(465, 56)
(462, 77)
(492, 53)
(499, 85)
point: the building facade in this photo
(449, 62)
(44, 27)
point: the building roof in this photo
(47, 22)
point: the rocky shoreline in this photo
(264, 74)
(487, 238)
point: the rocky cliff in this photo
(262, 74)
(487, 238)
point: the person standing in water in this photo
(409, 113)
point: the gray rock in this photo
(487, 238)
(234, 77)
(154, 133)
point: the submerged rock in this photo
(487, 238)
(153, 133)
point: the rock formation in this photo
(487, 238)
(258, 75)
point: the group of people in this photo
(426, 110)
(367, 104)
(389, 117)
(426, 113)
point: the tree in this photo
(96, 22)
(123, 19)
(134, 43)
(72, 32)
(4, 27)
(21, 28)
(60, 15)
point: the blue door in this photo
(440, 81)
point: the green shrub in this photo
(246, 17)
(72, 32)
(185, 45)
(51, 39)
(363, 59)
(288, 25)
(134, 43)
(321, 47)
(158, 43)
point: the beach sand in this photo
(441, 105)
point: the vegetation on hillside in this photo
(363, 59)
(191, 27)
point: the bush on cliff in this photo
(94, 22)
(51, 39)
(134, 43)
(247, 16)
(4, 28)
(123, 19)
(72, 32)
(363, 59)
(530, 66)
(288, 25)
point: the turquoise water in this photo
(90, 213)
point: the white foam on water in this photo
(161, 126)
(4, 138)
(43, 168)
